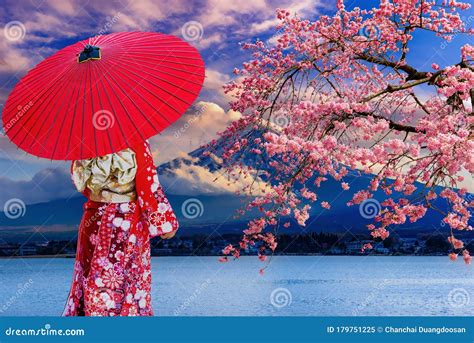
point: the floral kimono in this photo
(126, 207)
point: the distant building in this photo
(26, 250)
(380, 249)
(188, 244)
(408, 243)
(355, 247)
(336, 251)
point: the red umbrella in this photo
(103, 94)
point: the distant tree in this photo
(436, 244)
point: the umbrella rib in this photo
(177, 63)
(174, 75)
(128, 54)
(64, 120)
(163, 60)
(92, 108)
(30, 82)
(181, 70)
(156, 85)
(37, 136)
(50, 98)
(112, 41)
(139, 109)
(164, 117)
(157, 48)
(115, 113)
(172, 84)
(29, 115)
(125, 109)
(138, 54)
(126, 37)
(102, 106)
(160, 99)
(73, 117)
(83, 115)
(26, 87)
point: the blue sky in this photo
(49, 25)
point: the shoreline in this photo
(345, 255)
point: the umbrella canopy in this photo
(103, 95)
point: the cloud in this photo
(210, 40)
(193, 179)
(67, 7)
(194, 129)
(213, 86)
(45, 185)
(225, 13)
(13, 59)
(304, 8)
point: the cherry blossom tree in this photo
(336, 95)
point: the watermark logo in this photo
(458, 297)
(369, 31)
(14, 208)
(110, 21)
(21, 110)
(188, 302)
(192, 31)
(14, 31)
(369, 208)
(200, 111)
(192, 208)
(280, 119)
(22, 288)
(281, 297)
(467, 23)
(103, 120)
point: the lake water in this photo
(290, 286)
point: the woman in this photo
(126, 207)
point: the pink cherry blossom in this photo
(453, 256)
(467, 258)
(353, 102)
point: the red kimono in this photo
(112, 275)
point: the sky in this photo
(214, 27)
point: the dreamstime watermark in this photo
(372, 295)
(280, 119)
(458, 297)
(21, 110)
(370, 31)
(444, 44)
(108, 24)
(14, 208)
(44, 331)
(192, 31)
(281, 297)
(186, 303)
(22, 288)
(276, 35)
(92, 219)
(103, 120)
(192, 208)
(14, 31)
(190, 121)
(369, 208)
